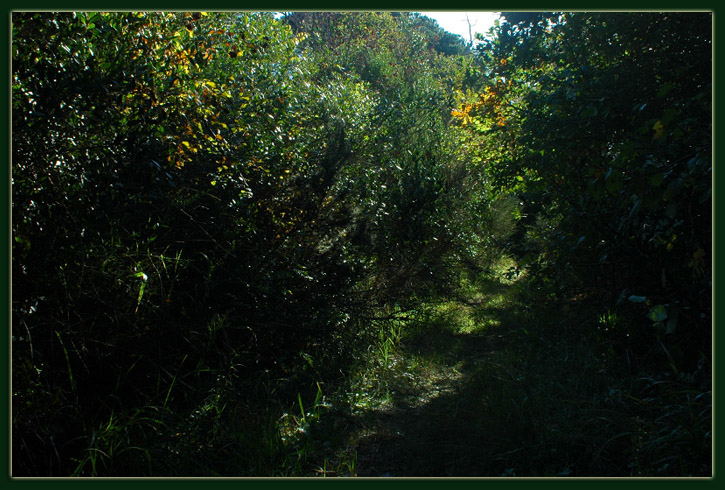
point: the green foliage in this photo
(216, 214)
(195, 192)
(402, 206)
(601, 123)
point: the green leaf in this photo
(674, 188)
(669, 115)
(590, 111)
(614, 183)
(664, 89)
(671, 325)
(658, 313)
(671, 210)
(656, 180)
(637, 299)
(140, 293)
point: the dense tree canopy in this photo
(198, 198)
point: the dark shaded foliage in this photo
(192, 194)
(605, 122)
(208, 203)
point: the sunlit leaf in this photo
(658, 313)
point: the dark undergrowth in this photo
(505, 380)
(512, 382)
(255, 247)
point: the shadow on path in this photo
(494, 386)
(435, 427)
(473, 412)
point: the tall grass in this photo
(505, 380)
(511, 380)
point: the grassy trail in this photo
(500, 380)
(496, 383)
(457, 400)
(425, 429)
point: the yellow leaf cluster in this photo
(464, 114)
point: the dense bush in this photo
(601, 125)
(193, 192)
(202, 202)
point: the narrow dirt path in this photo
(452, 400)
(502, 384)
(428, 426)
